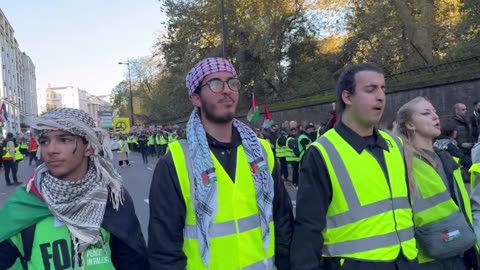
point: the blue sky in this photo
(80, 42)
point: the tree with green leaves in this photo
(287, 49)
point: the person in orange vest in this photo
(32, 150)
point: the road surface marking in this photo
(150, 168)
(147, 201)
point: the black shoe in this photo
(9, 184)
(17, 183)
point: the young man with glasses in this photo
(216, 199)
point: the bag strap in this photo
(27, 242)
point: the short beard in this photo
(207, 112)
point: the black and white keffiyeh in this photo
(79, 205)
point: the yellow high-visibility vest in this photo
(290, 155)
(433, 201)
(281, 151)
(172, 138)
(369, 217)
(236, 239)
(161, 140)
(7, 156)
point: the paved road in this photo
(24, 172)
(137, 179)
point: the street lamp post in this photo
(132, 123)
(224, 29)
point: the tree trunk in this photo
(418, 32)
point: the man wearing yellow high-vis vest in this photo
(353, 209)
(10, 159)
(281, 151)
(162, 142)
(216, 199)
(292, 159)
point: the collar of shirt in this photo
(235, 142)
(358, 142)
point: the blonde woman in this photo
(440, 202)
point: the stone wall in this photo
(442, 96)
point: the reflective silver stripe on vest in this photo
(266, 264)
(399, 144)
(370, 243)
(223, 228)
(188, 163)
(356, 211)
(366, 212)
(226, 228)
(420, 204)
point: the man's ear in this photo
(195, 99)
(347, 97)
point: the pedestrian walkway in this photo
(24, 172)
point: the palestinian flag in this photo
(268, 122)
(21, 210)
(254, 113)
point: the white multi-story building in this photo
(30, 89)
(51, 98)
(96, 104)
(65, 97)
(107, 99)
(17, 80)
(41, 100)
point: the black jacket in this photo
(127, 244)
(464, 133)
(475, 123)
(313, 200)
(447, 144)
(142, 142)
(168, 211)
(282, 139)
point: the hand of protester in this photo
(467, 145)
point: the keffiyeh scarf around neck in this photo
(206, 197)
(79, 205)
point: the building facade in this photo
(30, 90)
(17, 81)
(96, 104)
(63, 97)
(54, 97)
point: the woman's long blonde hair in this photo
(404, 115)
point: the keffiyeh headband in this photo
(204, 68)
(81, 124)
